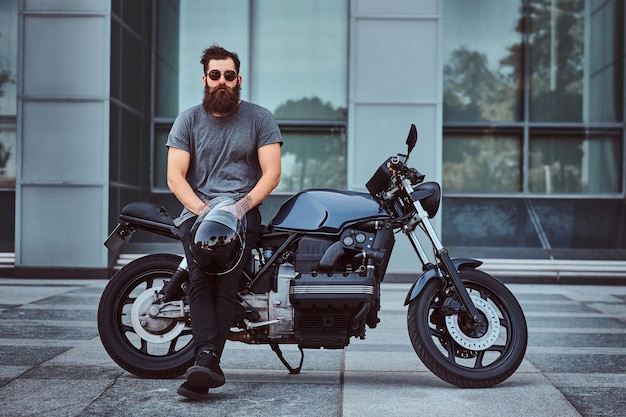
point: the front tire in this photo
(456, 351)
(137, 351)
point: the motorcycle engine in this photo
(273, 309)
(331, 306)
(327, 295)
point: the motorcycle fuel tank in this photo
(326, 211)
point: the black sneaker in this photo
(193, 392)
(206, 372)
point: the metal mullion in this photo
(525, 95)
(621, 12)
(153, 64)
(317, 126)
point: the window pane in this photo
(134, 162)
(203, 23)
(306, 77)
(166, 59)
(482, 67)
(582, 224)
(160, 156)
(313, 160)
(501, 223)
(8, 57)
(8, 148)
(571, 164)
(573, 76)
(486, 164)
(557, 58)
(605, 65)
(135, 84)
(8, 96)
(518, 223)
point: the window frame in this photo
(526, 128)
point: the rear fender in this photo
(433, 272)
(141, 216)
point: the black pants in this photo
(213, 297)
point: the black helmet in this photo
(218, 236)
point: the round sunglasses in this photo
(215, 75)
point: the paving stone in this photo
(87, 290)
(28, 355)
(10, 372)
(422, 394)
(71, 372)
(566, 322)
(527, 298)
(85, 353)
(50, 397)
(621, 297)
(572, 307)
(76, 299)
(607, 402)
(262, 357)
(573, 340)
(19, 294)
(599, 394)
(140, 398)
(38, 331)
(368, 347)
(49, 314)
(578, 363)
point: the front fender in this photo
(433, 272)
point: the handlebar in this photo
(398, 165)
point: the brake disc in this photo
(486, 338)
(147, 325)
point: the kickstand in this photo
(279, 353)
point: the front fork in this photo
(441, 253)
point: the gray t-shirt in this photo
(224, 159)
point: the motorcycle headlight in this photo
(429, 194)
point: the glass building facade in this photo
(534, 125)
(527, 107)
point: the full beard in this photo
(221, 100)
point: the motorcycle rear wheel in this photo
(129, 348)
(459, 354)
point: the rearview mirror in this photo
(411, 140)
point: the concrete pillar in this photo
(62, 136)
(395, 80)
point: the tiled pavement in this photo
(52, 364)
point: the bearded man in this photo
(226, 147)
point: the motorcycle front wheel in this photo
(143, 345)
(457, 350)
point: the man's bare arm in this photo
(178, 162)
(269, 160)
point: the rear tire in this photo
(126, 347)
(459, 354)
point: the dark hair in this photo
(217, 52)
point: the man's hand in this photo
(235, 209)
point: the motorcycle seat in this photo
(148, 211)
(150, 217)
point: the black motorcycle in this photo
(314, 281)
